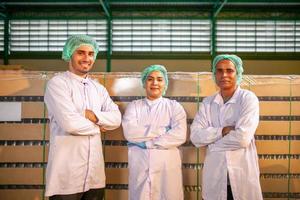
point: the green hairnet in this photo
(152, 68)
(237, 61)
(74, 42)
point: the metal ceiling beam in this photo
(25, 3)
(106, 8)
(161, 3)
(2, 11)
(218, 7)
(147, 3)
(202, 3)
(263, 2)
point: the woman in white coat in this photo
(155, 127)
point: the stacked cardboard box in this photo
(24, 144)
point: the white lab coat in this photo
(234, 153)
(75, 161)
(155, 173)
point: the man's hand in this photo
(90, 115)
(102, 129)
(227, 129)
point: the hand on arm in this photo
(90, 115)
(174, 134)
(135, 128)
(60, 105)
(227, 129)
(202, 131)
(109, 116)
(102, 129)
(243, 133)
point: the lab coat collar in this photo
(153, 102)
(219, 100)
(78, 78)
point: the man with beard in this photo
(79, 109)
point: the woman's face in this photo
(155, 85)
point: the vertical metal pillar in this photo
(217, 8)
(107, 11)
(109, 44)
(213, 37)
(6, 40)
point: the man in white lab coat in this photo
(226, 124)
(155, 127)
(79, 109)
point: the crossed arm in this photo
(61, 108)
(226, 138)
(149, 135)
(90, 115)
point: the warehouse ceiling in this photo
(136, 8)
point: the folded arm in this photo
(90, 115)
(243, 133)
(109, 117)
(173, 135)
(61, 107)
(202, 133)
(134, 128)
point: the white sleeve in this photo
(176, 135)
(109, 116)
(202, 132)
(60, 106)
(245, 127)
(135, 129)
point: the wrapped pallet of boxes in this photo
(24, 134)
